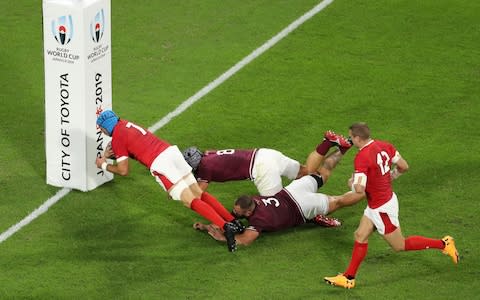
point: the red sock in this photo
(422, 243)
(207, 212)
(217, 206)
(358, 254)
(323, 148)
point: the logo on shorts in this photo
(62, 29)
(97, 26)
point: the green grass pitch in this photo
(411, 69)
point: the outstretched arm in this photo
(349, 198)
(245, 238)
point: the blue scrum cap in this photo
(107, 119)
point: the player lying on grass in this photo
(296, 204)
(265, 167)
(377, 164)
(165, 162)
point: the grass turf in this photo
(409, 69)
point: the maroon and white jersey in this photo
(226, 165)
(131, 140)
(275, 213)
(374, 160)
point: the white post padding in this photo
(78, 86)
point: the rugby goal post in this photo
(78, 86)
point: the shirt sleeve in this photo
(361, 171)
(361, 165)
(119, 148)
(396, 157)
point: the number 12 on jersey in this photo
(383, 161)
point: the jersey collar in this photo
(371, 141)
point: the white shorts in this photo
(385, 217)
(169, 167)
(176, 191)
(269, 167)
(310, 202)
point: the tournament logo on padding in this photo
(62, 29)
(97, 26)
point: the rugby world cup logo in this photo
(62, 29)
(97, 26)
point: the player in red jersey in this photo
(166, 164)
(296, 204)
(265, 167)
(372, 179)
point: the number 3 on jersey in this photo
(383, 161)
(268, 201)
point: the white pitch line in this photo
(182, 107)
(245, 61)
(40, 210)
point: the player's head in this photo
(192, 156)
(243, 207)
(359, 133)
(107, 120)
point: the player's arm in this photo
(401, 166)
(200, 226)
(120, 168)
(245, 238)
(349, 198)
(357, 193)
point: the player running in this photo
(372, 179)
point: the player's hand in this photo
(109, 151)
(99, 161)
(350, 181)
(215, 232)
(200, 226)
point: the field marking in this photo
(40, 210)
(237, 67)
(181, 108)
